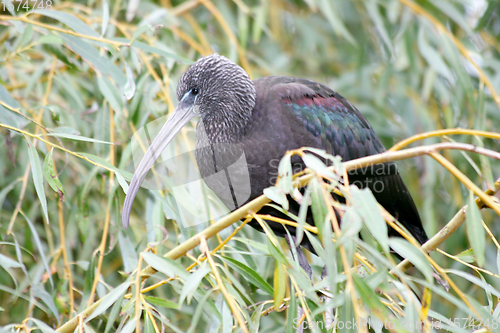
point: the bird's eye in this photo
(194, 91)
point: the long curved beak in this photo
(181, 116)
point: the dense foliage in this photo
(77, 79)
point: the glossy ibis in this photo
(261, 120)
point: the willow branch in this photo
(448, 131)
(256, 204)
(449, 228)
(260, 201)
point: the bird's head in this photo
(216, 89)
(219, 90)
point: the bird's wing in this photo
(328, 116)
(342, 130)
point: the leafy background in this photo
(77, 76)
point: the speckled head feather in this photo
(226, 95)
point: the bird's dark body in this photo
(247, 127)
(291, 113)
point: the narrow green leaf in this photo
(279, 284)
(243, 25)
(114, 313)
(253, 244)
(128, 254)
(486, 287)
(88, 282)
(485, 165)
(155, 50)
(277, 253)
(46, 298)
(366, 206)
(475, 231)
(52, 179)
(417, 258)
(318, 205)
(90, 53)
(327, 9)
(129, 326)
(110, 92)
(105, 17)
(199, 310)
(6, 116)
(315, 164)
(7, 98)
(54, 110)
(8, 263)
(227, 317)
(101, 161)
(49, 39)
(252, 276)
(42, 326)
(259, 21)
(301, 221)
(448, 9)
(35, 77)
(109, 299)
(346, 314)
(285, 174)
(70, 20)
(129, 88)
(164, 265)
(162, 302)
(192, 284)
(277, 195)
(148, 325)
(76, 137)
(26, 36)
(291, 323)
(6, 190)
(498, 261)
(376, 279)
(140, 31)
(351, 224)
(373, 10)
(37, 173)
(20, 255)
(432, 56)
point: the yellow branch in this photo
(467, 182)
(102, 246)
(16, 110)
(230, 300)
(451, 131)
(55, 28)
(39, 137)
(448, 229)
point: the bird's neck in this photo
(222, 128)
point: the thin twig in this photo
(448, 229)
(230, 300)
(448, 131)
(105, 231)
